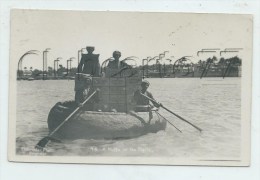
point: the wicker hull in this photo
(103, 125)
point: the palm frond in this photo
(131, 57)
(106, 61)
(28, 53)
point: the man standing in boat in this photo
(88, 67)
(89, 63)
(115, 66)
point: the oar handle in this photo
(172, 112)
(57, 128)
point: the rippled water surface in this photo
(213, 104)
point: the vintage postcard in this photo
(156, 88)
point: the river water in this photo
(213, 104)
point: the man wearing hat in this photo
(88, 67)
(89, 63)
(142, 103)
(115, 64)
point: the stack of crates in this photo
(132, 85)
(116, 94)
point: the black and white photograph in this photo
(107, 87)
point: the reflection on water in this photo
(213, 104)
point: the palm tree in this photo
(21, 60)
(214, 59)
(221, 61)
(50, 71)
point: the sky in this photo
(137, 34)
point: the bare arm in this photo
(154, 102)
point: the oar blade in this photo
(172, 112)
(42, 143)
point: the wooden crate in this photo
(130, 98)
(103, 98)
(110, 72)
(134, 81)
(116, 93)
(119, 107)
(132, 85)
(120, 90)
(103, 89)
(117, 82)
(115, 98)
(97, 81)
(104, 107)
(131, 90)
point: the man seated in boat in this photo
(89, 63)
(116, 66)
(143, 103)
(83, 90)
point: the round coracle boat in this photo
(103, 125)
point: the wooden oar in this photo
(44, 141)
(173, 113)
(168, 121)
